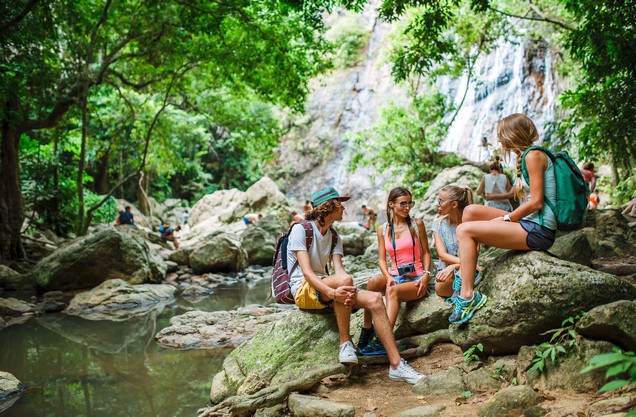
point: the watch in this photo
(507, 218)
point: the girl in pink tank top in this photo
(404, 277)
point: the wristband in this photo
(426, 272)
(507, 218)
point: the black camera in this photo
(406, 269)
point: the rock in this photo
(482, 379)
(171, 266)
(198, 329)
(423, 411)
(565, 372)
(51, 306)
(9, 279)
(260, 239)
(195, 293)
(614, 322)
(355, 239)
(298, 344)
(605, 407)
(573, 247)
(223, 253)
(447, 382)
(278, 410)
(308, 406)
(93, 259)
(531, 293)
(14, 307)
(520, 397)
(423, 316)
(2, 323)
(9, 386)
(180, 256)
(116, 300)
(611, 236)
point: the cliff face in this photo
(515, 77)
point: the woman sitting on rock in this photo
(450, 206)
(495, 187)
(532, 226)
(404, 241)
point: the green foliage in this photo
(404, 143)
(466, 394)
(563, 340)
(621, 365)
(348, 38)
(470, 355)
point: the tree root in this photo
(270, 396)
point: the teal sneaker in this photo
(457, 282)
(464, 309)
(365, 336)
(373, 348)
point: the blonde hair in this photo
(516, 134)
(463, 196)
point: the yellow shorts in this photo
(307, 297)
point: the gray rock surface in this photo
(118, 300)
(13, 307)
(530, 293)
(573, 247)
(198, 329)
(9, 386)
(9, 279)
(223, 253)
(93, 259)
(308, 406)
(423, 411)
(614, 322)
(522, 398)
(442, 383)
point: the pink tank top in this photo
(404, 250)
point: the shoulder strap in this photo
(309, 238)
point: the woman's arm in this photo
(482, 184)
(384, 268)
(425, 252)
(441, 251)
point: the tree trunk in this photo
(101, 175)
(83, 100)
(11, 200)
(142, 199)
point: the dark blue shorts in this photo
(539, 237)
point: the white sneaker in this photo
(404, 372)
(347, 353)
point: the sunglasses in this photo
(440, 201)
(405, 204)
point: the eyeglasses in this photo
(405, 204)
(440, 201)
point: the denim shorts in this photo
(401, 279)
(539, 237)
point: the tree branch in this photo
(539, 19)
(16, 20)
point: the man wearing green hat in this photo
(314, 289)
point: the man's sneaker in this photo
(373, 348)
(365, 336)
(347, 353)
(404, 372)
(464, 309)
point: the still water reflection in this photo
(76, 367)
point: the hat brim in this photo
(344, 198)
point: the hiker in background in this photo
(496, 187)
(307, 207)
(593, 200)
(314, 289)
(404, 241)
(371, 217)
(589, 176)
(167, 234)
(125, 217)
(185, 216)
(532, 226)
(450, 207)
(296, 217)
(251, 218)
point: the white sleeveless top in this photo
(496, 184)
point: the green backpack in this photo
(571, 190)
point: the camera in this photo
(406, 269)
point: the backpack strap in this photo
(309, 238)
(526, 176)
(334, 243)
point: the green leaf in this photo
(614, 385)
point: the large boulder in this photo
(614, 322)
(93, 259)
(355, 239)
(223, 253)
(260, 239)
(611, 236)
(531, 293)
(10, 279)
(117, 300)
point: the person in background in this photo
(371, 217)
(404, 240)
(251, 218)
(297, 217)
(496, 187)
(125, 217)
(167, 234)
(589, 176)
(185, 216)
(593, 200)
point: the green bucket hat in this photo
(326, 194)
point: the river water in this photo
(76, 367)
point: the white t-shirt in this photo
(318, 253)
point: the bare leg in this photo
(500, 234)
(343, 313)
(397, 293)
(377, 284)
(373, 301)
(444, 288)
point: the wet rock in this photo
(308, 406)
(51, 306)
(14, 307)
(199, 329)
(196, 292)
(180, 256)
(522, 398)
(531, 293)
(118, 300)
(9, 386)
(93, 259)
(53, 296)
(614, 322)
